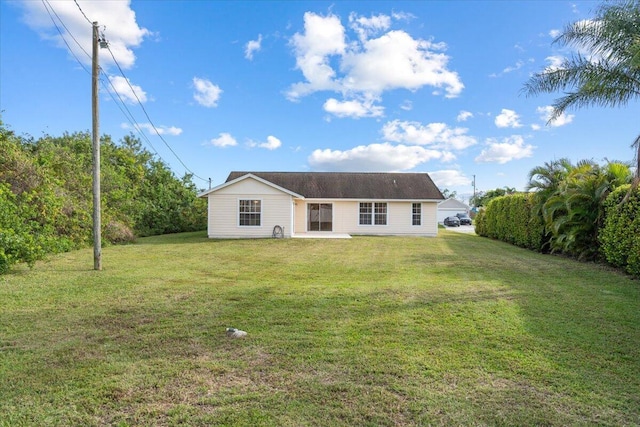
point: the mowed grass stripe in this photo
(367, 331)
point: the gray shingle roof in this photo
(352, 185)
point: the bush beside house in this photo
(619, 237)
(513, 219)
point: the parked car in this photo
(452, 221)
(464, 219)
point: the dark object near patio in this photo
(278, 232)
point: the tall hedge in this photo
(620, 235)
(512, 219)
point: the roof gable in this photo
(244, 177)
(350, 185)
(452, 204)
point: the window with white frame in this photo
(416, 214)
(373, 213)
(366, 214)
(250, 212)
(380, 213)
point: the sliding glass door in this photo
(319, 217)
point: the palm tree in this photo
(573, 214)
(608, 74)
(546, 179)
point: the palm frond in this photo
(610, 75)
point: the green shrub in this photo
(18, 239)
(620, 234)
(480, 222)
(512, 219)
(46, 200)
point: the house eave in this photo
(330, 199)
(250, 176)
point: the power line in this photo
(149, 118)
(47, 6)
(83, 14)
(128, 116)
(69, 32)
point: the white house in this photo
(304, 204)
(451, 207)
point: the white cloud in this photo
(536, 126)
(367, 67)
(366, 27)
(406, 105)
(508, 119)
(117, 22)
(436, 135)
(464, 115)
(127, 91)
(402, 16)
(161, 130)
(515, 67)
(271, 144)
(207, 94)
(512, 148)
(511, 68)
(355, 109)
(253, 46)
(561, 120)
(555, 63)
(554, 33)
(398, 61)
(449, 178)
(224, 140)
(372, 158)
(323, 37)
(171, 130)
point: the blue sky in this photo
(310, 86)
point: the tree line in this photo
(46, 195)
(584, 210)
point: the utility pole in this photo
(474, 190)
(97, 226)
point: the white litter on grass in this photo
(235, 333)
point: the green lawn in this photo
(453, 330)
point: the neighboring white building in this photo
(303, 204)
(451, 207)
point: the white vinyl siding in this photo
(346, 218)
(223, 221)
